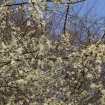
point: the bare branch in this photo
(23, 3)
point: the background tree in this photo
(37, 69)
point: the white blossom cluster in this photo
(33, 71)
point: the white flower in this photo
(13, 62)
(20, 81)
(28, 23)
(39, 62)
(3, 45)
(19, 50)
(59, 60)
(98, 61)
(89, 76)
(51, 63)
(41, 47)
(85, 70)
(93, 85)
(20, 72)
(103, 91)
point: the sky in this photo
(100, 6)
(97, 6)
